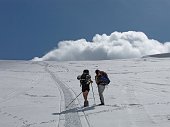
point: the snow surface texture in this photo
(35, 94)
(117, 45)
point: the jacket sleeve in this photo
(97, 80)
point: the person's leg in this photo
(85, 94)
(101, 90)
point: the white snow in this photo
(35, 94)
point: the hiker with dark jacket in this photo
(100, 84)
(85, 80)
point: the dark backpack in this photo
(104, 78)
(84, 79)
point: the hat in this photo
(86, 71)
(97, 71)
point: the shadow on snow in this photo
(76, 109)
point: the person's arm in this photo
(89, 79)
(97, 80)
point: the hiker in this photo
(85, 80)
(101, 83)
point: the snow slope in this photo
(162, 55)
(35, 94)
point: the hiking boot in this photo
(101, 104)
(86, 103)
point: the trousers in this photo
(101, 90)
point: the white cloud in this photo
(118, 45)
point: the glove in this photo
(90, 81)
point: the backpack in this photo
(104, 78)
(85, 78)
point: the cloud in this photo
(118, 45)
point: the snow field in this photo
(35, 94)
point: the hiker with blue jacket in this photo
(101, 81)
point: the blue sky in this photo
(30, 28)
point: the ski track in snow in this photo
(71, 116)
(71, 107)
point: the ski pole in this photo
(72, 101)
(93, 94)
